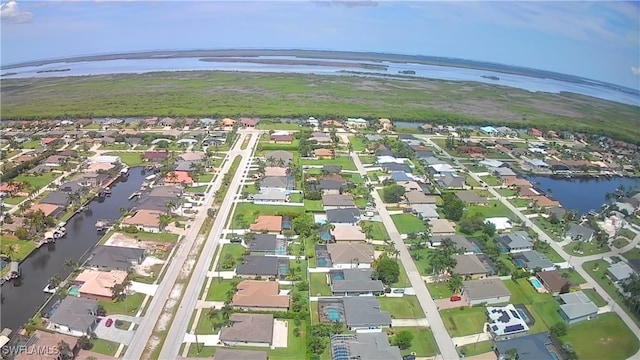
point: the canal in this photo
(582, 194)
(23, 297)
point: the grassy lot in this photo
(598, 269)
(218, 289)
(204, 178)
(605, 337)
(633, 254)
(406, 307)
(574, 277)
(105, 347)
(157, 237)
(481, 347)
(32, 144)
(595, 297)
(543, 307)
(197, 189)
(115, 147)
(358, 143)
(250, 211)
(619, 243)
(520, 202)
(493, 209)
(551, 254)
(185, 94)
(318, 285)
(406, 223)
(39, 181)
(344, 161)
(378, 231)
(129, 158)
(555, 231)
(491, 180)
(472, 182)
(129, 306)
(506, 192)
(265, 125)
(236, 251)
(22, 247)
(464, 321)
(627, 233)
(590, 248)
(439, 290)
(267, 146)
(423, 265)
(403, 279)
(13, 200)
(423, 343)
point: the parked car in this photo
(455, 298)
(398, 291)
(108, 322)
(236, 239)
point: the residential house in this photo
(558, 211)
(576, 307)
(168, 192)
(227, 124)
(265, 266)
(223, 353)
(441, 169)
(409, 185)
(145, 220)
(530, 347)
(178, 177)
(59, 198)
(579, 232)
(536, 163)
(461, 243)
(485, 291)
(471, 198)
(469, 267)
(474, 151)
(347, 233)
(419, 197)
(505, 322)
(253, 295)
(619, 272)
(47, 209)
(268, 223)
(271, 195)
(193, 156)
(553, 282)
(106, 257)
(323, 153)
(332, 123)
(441, 227)
(186, 166)
(358, 123)
(333, 170)
(535, 132)
(354, 282)
(392, 167)
(43, 345)
(425, 211)
(385, 124)
(155, 156)
(366, 346)
(55, 160)
(532, 261)
(327, 186)
(277, 182)
(343, 216)
(502, 171)
(363, 313)
(338, 201)
(281, 138)
(451, 181)
(350, 255)
(248, 330)
(320, 137)
(400, 176)
(518, 241)
(74, 316)
(97, 285)
(249, 123)
(264, 244)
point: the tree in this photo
(512, 354)
(386, 270)
(559, 329)
(403, 339)
(455, 283)
(54, 281)
(71, 263)
(118, 292)
(453, 207)
(85, 343)
(392, 193)
(64, 350)
(163, 221)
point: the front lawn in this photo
(491, 180)
(378, 231)
(423, 343)
(621, 242)
(574, 277)
(439, 290)
(633, 254)
(506, 192)
(407, 223)
(250, 211)
(464, 320)
(605, 337)
(13, 200)
(131, 159)
(218, 289)
(15, 248)
(581, 248)
(197, 189)
(204, 178)
(128, 306)
(318, 285)
(236, 251)
(39, 181)
(478, 348)
(627, 234)
(520, 203)
(493, 209)
(593, 295)
(156, 237)
(105, 347)
(406, 307)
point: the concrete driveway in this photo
(114, 334)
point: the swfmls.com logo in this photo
(31, 350)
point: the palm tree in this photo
(455, 283)
(71, 263)
(54, 281)
(394, 252)
(118, 292)
(170, 204)
(163, 221)
(11, 250)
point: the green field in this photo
(128, 306)
(104, 347)
(250, 211)
(423, 343)
(39, 181)
(481, 347)
(218, 289)
(13, 200)
(439, 290)
(129, 158)
(605, 337)
(407, 223)
(378, 231)
(406, 307)
(344, 161)
(494, 208)
(464, 321)
(20, 248)
(182, 94)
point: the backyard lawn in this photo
(407, 223)
(39, 181)
(584, 248)
(218, 289)
(605, 337)
(15, 248)
(406, 307)
(130, 158)
(464, 320)
(378, 231)
(439, 290)
(423, 343)
(318, 285)
(129, 306)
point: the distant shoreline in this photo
(256, 60)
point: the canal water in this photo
(23, 297)
(582, 194)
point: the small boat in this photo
(59, 233)
(107, 191)
(14, 270)
(124, 171)
(50, 236)
(102, 224)
(49, 290)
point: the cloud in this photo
(10, 12)
(347, 3)
(635, 70)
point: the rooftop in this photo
(248, 328)
(506, 320)
(485, 288)
(254, 293)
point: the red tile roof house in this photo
(156, 155)
(323, 153)
(178, 177)
(48, 140)
(281, 139)
(249, 123)
(535, 132)
(255, 295)
(470, 150)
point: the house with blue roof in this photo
(489, 130)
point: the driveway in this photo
(280, 333)
(147, 289)
(444, 304)
(112, 333)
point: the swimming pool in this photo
(74, 290)
(325, 235)
(523, 316)
(333, 314)
(519, 263)
(536, 283)
(322, 262)
(337, 276)
(284, 269)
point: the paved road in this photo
(575, 261)
(145, 330)
(446, 345)
(176, 334)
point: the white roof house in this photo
(390, 159)
(506, 320)
(442, 168)
(501, 223)
(106, 159)
(491, 163)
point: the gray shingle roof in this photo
(577, 305)
(530, 347)
(56, 198)
(256, 328)
(343, 216)
(76, 313)
(516, 240)
(263, 242)
(260, 265)
(357, 280)
(534, 259)
(364, 311)
(374, 346)
(579, 232)
(485, 289)
(115, 257)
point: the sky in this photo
(597, 40)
